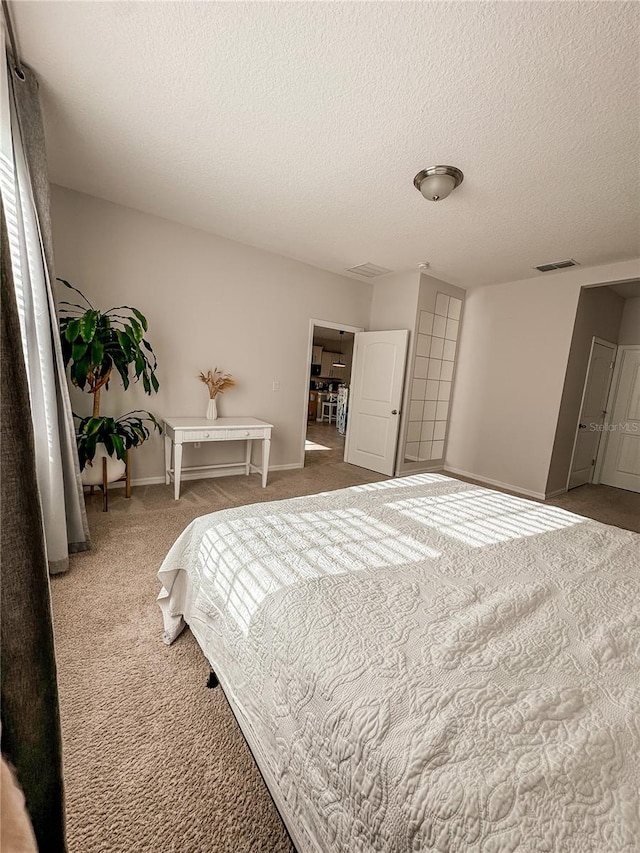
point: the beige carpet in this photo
(154, 761)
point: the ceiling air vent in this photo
(368, 270)
(558, 265)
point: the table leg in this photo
(177, 467)
(266, 447)
(105, 493)
(167, 459)
(127, 480)
(247, 458)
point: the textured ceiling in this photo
(298, 127)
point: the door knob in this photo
(582, 426)
(394, 411)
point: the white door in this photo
(592, 412)
(621, 466)
(377, 382)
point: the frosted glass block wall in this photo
(433, 370)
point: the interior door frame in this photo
(594, 340)
(611, 401)
(326, 324)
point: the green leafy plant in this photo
(93, 344)
(117, 434)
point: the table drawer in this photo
(239, 434)
(246, 432)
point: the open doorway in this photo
(597, 441)
(330, 360)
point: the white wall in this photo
(210, 302)
(630, 327)
(394, 302)
(512, 363)
(395, 306)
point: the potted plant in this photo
(93, 344)
(217, 382)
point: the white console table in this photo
(179, 431)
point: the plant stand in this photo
(105, 485)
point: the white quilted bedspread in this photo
(421, 664)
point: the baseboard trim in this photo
(555, 493)
(428, 469)
(508, 486)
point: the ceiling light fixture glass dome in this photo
(437, 182)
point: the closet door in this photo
(621, 466)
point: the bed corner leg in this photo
(212, 681)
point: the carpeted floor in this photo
(604, 503)
(153, 760)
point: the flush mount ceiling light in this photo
(437, 182)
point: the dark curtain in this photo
(31, 738)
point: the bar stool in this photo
(329, 408)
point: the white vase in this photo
(212, 410)
(92, 472)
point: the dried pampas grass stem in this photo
(217, 382)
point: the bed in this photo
(423, 664)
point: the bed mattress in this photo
(423, 664)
